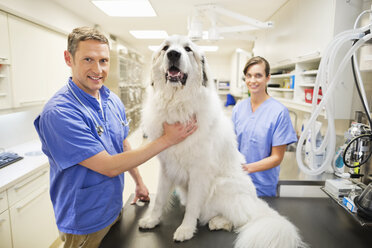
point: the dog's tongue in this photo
(173, 72)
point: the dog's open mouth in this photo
(175, 75)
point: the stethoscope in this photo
(99, 128)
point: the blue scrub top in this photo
(84, 201)
(257, 132)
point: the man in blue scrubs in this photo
(83, 131)
(263, 128)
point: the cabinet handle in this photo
(22, 206)
(24, 184)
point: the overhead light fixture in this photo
(212, 12)
(126, 8)
(204, 48)
(149, 34)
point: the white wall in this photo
(46, 13)
(16, 126)
(219, 66)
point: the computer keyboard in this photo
(7, 158)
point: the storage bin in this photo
(309, 95)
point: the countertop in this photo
(33, 160)
(321, 221)
(290, 174)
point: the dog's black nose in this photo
(173, 56)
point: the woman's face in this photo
(256, 79)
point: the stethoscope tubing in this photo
(99, 128)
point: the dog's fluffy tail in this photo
(269, 231)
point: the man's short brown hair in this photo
(82, 34)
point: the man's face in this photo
(90, 65)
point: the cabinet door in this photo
(3, 201)
(37, 61)
(5, 96)
(4, 38)
(33, 222)
(5, 235)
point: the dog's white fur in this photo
(206, 167)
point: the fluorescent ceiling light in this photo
(149, 34)
(204, 48)
(126, 8)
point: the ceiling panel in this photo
(172, 16)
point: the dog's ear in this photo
(205, 77)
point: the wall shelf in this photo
(296, 105)
(286, 75)
(310, 72)
(280, 89)
(306, 85)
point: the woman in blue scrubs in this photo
(263, 128)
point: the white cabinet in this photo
(4, 39)
(5, 234)
(3, 201)
(5, 92)
(38, 67)
(32, 220)
(28, 218)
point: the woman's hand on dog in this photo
(177, 132)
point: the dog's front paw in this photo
(183, 233)
(148, 222)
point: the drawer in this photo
(28, 185)
(5, 234)
(3, 201)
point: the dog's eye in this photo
(165, 48)
(188, 49)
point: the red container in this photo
(309, 95)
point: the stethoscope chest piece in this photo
(99, 130)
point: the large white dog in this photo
(206, 167)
